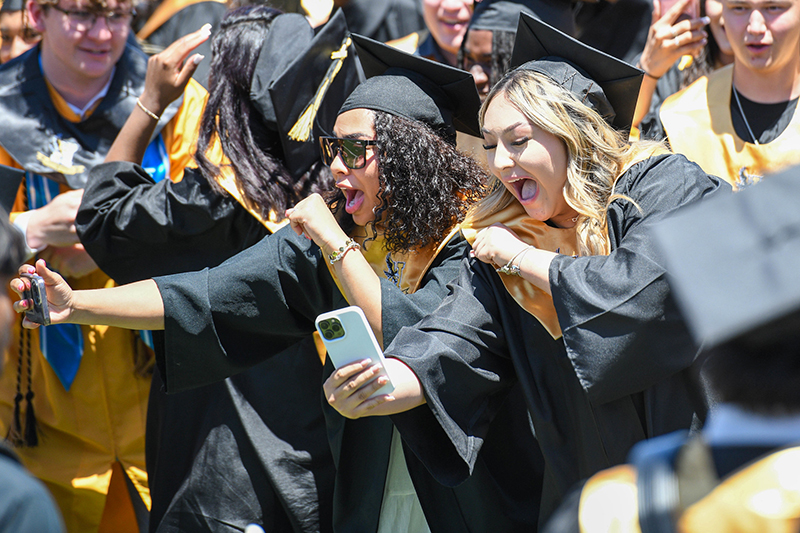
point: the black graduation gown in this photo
(220, 321)
(620, 373)
(226, 454)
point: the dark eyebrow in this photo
(507, 129)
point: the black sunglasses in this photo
(353, 151)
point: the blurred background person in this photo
(740, 122)
(16, 34)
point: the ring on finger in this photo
(674, 32)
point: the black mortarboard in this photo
(10, 179)
(300, 82)
(604, 83)
(414, 87)
(12, 5)
(734, 261)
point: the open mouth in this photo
(757, 48)
(353, 200)
(527, 189)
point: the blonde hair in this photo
(597, 154)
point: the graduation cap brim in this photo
(462, 103)
(619, 80)
(732, 261)
(10, 179)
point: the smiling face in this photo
(530, 162)
(360, 186)
(75, 56)
(447, 20)
(764, 34)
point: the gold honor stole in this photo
(544, 237)
(698, 124)
(226, 180)
(538, 234)
(763, 496)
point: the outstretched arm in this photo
(134, 306)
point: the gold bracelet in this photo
(338, 255)
(143, 108)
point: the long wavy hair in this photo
(427, 185)
(597, 154)
(253, 148)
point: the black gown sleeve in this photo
(613, 309)
(136, 229)
(222, 320)
(459, 354)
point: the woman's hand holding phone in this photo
(676, 31)
(350, 387)
(58, 294)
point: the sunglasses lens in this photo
(353, 151)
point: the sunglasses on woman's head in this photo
(353, 151)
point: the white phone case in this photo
(348, 338)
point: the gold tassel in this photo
(301, 130)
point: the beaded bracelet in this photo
(337, 255)
(510, 269)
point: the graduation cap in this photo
(732, 261)
(12, 5)
(300, 82)
(10, 179)
(604, 83)
(414, 87)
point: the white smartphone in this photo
(348, 338)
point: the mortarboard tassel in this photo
(301, 130)
(31, 427)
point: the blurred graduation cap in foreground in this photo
(734, 261)
(416, 88)
(12, 5)
(604, 83)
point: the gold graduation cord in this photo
(301, 130)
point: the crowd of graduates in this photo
(571, 227)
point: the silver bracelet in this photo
(510, 269)
(143, 108)
(338, 255)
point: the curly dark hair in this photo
(254, 149)
(427, 185)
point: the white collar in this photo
(104, 91)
